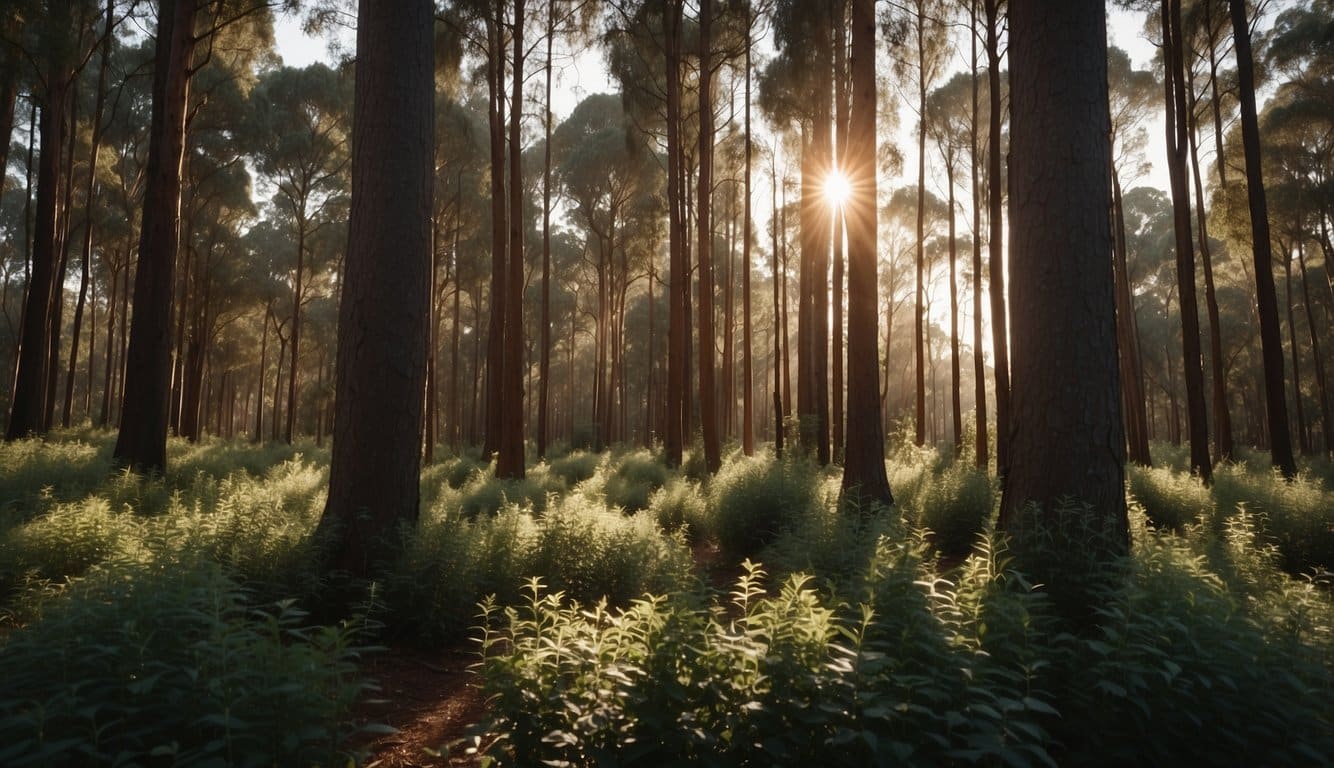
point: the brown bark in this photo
(142, 441)
(1326, 424)
(544, 370)
(1176, 126)
(1127, 347)
(495, 342)
(864, 479)
(919, 294)
(841, 117)
(1303, 436)
(996, 266)
(707, 396)
(747, 382)
(374, 473)
(509, 462)
(980, 449)
(1066, 434)
(1271, 342)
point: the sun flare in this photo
(837, 189)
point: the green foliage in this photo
(35, 473)
(757, 498)
(141, 665)
(1171, 499)
(681, 505)
(575, 467)
(1297, 515)
(636, 476)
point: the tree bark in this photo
(707, 396)
(142, 442)
(510, 461)
(544, 373)
(864, 479)
(1271, 341)
(1326, 424)
(979, 362)
(374, 473)
(996, 265)
(495, 341)
(1066, 435)
(1131, 365)
(747, 382)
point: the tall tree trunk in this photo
(779, 330)
(292, 368)
(9, 89)
(86, 252)
(1066, 434)
(677, 285)
(996, 264)
(919, 302)
(1271, 342)
(707, 396)
(495, 342)
(980, 449)
(1127, 347)
(1176, 126)
(510, 461)
(747, 382)
(544, 374)
(28, 403)
(1303, 437)
(840, 164)
(142, 442)
(864, 479)
(374, 473)
(956, 400)
(1218, 376)
(1326, 424)
(263, 360)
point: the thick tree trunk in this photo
(864, 479)
(142, 442)
(1271, 342)
(1066, 434)
(1175, 121)
(374, 473)
(28, 404)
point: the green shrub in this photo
(1297, 515)
(136, 665)
(755, 499)
(36, 473)
(487, 494)
(681, 504)
(636, 476)
(1171, 499)
(575, 467)
(956, 505)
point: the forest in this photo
(666, 382)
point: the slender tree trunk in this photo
(9, 89)
(1271, 342)
(864, 479)
(1218, 376)
(263, 359)
(747, 382)
(956, 400)
(1176, 125)
(1303, 437)
(86, 252)
(1131, 366)
(778, 329)
(1066, 433)
(1326, 424)
(980, 449)
(142, 442)
(495, 342)
(510, 462)
(919, 303)
(374, 474)
(841, 118)
(707, 396)
(544, 374)
(996, 264)
(292, 366)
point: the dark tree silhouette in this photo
(1066, 435)
(384, 309)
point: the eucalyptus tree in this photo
(183, 25)
(1130, 100)
(374, 477)
(922, 57)
(299, 129)
(1280, 439)
(1066, 431)
(1175, 121)
(864, 457)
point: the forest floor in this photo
(433, 698)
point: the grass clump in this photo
(136, 665)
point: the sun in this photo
(837, 189)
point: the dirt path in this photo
(431, 698)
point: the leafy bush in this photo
(1298, 515)
(35, 473)
(681, 504)
(636, 476)
(1171, 499)
(575, 467)
(140, 666)
(755, 499)
(956, 505)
